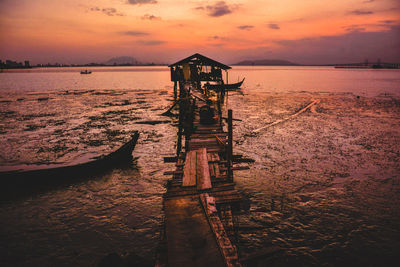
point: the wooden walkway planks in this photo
(189, 169)
(198, 185)
(190, 241)
(202, 170)
(196, 170)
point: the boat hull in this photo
(232, 86)
(14, 181)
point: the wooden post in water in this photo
(175, 90)
(230, 144)
(222, 92)
(179, 144)
(181, 86)
(180, 123)
(219, 107)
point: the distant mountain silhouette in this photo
(123, 61)
(266, 62)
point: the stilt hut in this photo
(196, 69)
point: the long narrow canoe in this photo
(27, 179)
(229, 86)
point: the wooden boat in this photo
(27, 180)
(227, 87)
(85, 72)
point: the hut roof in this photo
(197, 58)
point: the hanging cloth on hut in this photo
(186, 72)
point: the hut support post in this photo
(230, 144)
(175, 90)
(181, 86)
(181, 116)
(219, 107)
(179, 143)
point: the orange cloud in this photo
(215, 26)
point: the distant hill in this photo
(123, 61)
(266, 62)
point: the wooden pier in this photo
(198, 224)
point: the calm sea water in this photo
(368, 82)
(325, 185)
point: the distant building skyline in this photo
(14, 64)
(305, 32)
(263, 62)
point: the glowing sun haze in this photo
(307, 31)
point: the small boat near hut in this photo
(85, 72)
(226, 87)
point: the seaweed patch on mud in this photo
(153, 122)
(151, 137)
(55, 122)
(93, 142)
(108, 93)
(122, 103)
(77, 92)
(7, 114)
(115, 112)
(338, 162)
(32, 127)
(37, 130)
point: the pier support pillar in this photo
(175, 90)
(230, 144)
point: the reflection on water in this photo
(324, 187)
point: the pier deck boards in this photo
(190, 240)
(197, 204)
(189, 169)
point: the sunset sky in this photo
(163, 31)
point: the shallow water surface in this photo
(325, 185)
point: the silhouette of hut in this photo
(197, 68)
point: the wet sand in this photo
(325, 186)
(80, 223)
(71, 126)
